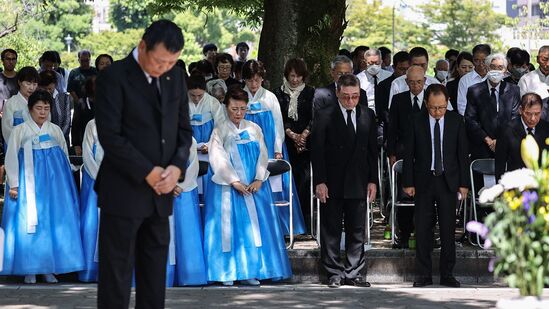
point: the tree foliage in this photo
(126, 14)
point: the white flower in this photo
(490, 194)
(519, 179)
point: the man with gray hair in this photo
(78, 76)
(372, 75)
(326, 96)
(344, 156)
(442, 67)
(538, 80)
(491, 105)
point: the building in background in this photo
(100, 20)
(532, 25)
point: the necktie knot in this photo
(493, 90)
(416, 104)
(530, 131)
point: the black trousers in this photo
(435, 191)
(126, 244)
(301, 169)
(352, 212)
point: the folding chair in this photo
(381, 173)
(278, 167)
(484, 167)
(395, 202)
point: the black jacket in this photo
(399, 123)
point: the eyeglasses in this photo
(437, 108)
(347, 97)
(415, 82)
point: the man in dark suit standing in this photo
(508, 156)
(344, 157)
(143, 126)
(435, 171)
(403, 107)
(490, 107)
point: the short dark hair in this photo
(236, 93)
(40, 95)
(47, 78)
(208, 47)
(512, 51)
(401, 56)
(530, 99)
(28, 74)
(196, 81)
(242, 45)
(520, 57)
(84, 52)
(251, 68)
(482, 48)
(223, 58)
(204, 66)
(436, 89)
(347, 80)
(462, 56)
(384, 51)
(298, 65)
(451, 53)
(8, 50)
(419, 51)
(102, 56)
(49, 55)
(165, 32)
(345, 52)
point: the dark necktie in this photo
(416, 105)
(530, 131)
(375, 81)
(155, 89)
(438, 153)
(493, 98)
(350, 127)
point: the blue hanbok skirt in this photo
(56, 246)
(245, 260)
(266, 122)
(89, 219)
(202, 133)
(190, 266)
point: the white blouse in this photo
(92, 161)
(191, 173)
(269, 101)
(208, 108)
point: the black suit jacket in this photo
(137, 133)
(452, 87)
(483, 120)
(383, 91)
(399, 123)
(345, 167)
(455, 155)
(508, 145)
(80, 118)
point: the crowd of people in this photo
(224, 227)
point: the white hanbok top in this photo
(399, 85)
(191, 173)
(15, 107)
(28, 130)
(92, 160)
(534, 81)
(269, 101)
(208, 108)
(225, 136)
(367, 83)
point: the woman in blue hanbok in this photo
(186, 265)
(264, 110)
(204, 111)
(92, 154)
(41, 215)
(240, 240)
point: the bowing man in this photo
(508, 156)
(434, 175)
(344, 157)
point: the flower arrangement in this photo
(518, 229)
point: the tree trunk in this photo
(306, 29)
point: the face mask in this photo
(495, 76)
(373, 69)
(518, 72)
(441, 75)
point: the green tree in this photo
(127, 14)
(461, 24)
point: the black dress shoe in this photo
(423, 282)
(358, 282)
(334, 283)
(450, 282)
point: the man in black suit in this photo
(490, 107)
(326, 96)
(435, 171)
(344, 157)
(508, 156)
(143, 126)
(403, 107)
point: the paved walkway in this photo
(272, 296)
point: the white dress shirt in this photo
(399, 85)
(419, 99)
(465, 82)
(534, 81)
(432, 129)
(525, 126)
(367, 84)
(344, 112)
(135, 54)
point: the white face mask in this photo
(373, 69)
(495, 76)
(441, 75)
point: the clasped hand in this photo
(247, 190)
(163, 180)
